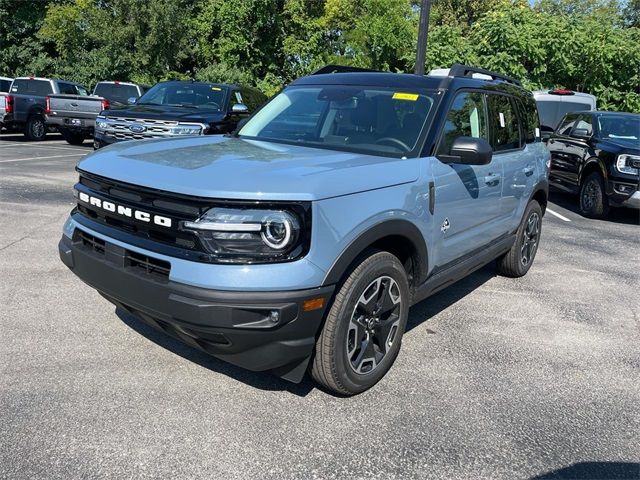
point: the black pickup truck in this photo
(597, 155)
(24, 108)
(178, 108)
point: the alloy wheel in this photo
(374, 324)
(37, 128)
(590, 194)
(530, 239)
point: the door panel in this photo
(467, 197)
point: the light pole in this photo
(423, 32)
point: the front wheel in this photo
(35, 129)
(593, 199)
(518, 260)
(361, 337)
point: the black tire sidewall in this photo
(599, 207)
(390, 266)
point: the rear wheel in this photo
(73, 138)
(363, 331)
(35, 128)
(518, 260)
(594, 202)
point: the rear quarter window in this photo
(504, 122)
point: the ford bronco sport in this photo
(300, 241)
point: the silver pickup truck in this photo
(24, 108)
(74, 116)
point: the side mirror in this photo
(239, 108)
(581, 133)
(132, 100)
(469, 151)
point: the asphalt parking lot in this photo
(497, 378)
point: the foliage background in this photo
(584, 45)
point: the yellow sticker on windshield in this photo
(405, 96)
(217, 89)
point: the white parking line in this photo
(42, 158)
(41, 145)
(556, 214)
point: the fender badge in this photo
(445, 225)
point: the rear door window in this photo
(466, 118)
(28, 86)
(567, 124)
(504, 123)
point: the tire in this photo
(350, 356)
(35, 128)
(594, 202)
(518, 260)
(73, 138)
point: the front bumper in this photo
(237, 327)
(624, 193)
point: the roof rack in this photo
(458, 70)
(340, 69)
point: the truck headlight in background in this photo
(251, 235)
(188, 129)
(628, 164)
(101, 123)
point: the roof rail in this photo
(458, 70)
(340, 69)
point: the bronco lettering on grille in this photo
(125, 211)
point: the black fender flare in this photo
(387, 228)
(587, 165)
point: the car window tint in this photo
(28, 86)
(67, 88)
(566, 124)
(585, 122)
(116, 92)
(529, 118)
(505, 127)
(466, 118)
(4, 85)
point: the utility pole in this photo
(423, 32)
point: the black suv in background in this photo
(178, 108)
(597, 154)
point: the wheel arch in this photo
(593, 164)
(398, 237)
(541, 195)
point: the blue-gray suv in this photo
(300, 241)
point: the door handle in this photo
(74, 104)
(528, 171)
(492, 179)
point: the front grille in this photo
(152, 266)
(138, 198)
(135, 260)
(119, 128)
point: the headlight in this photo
(247, 235)
(101, 123)
(187, 129)
(628, 164)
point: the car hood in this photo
(621, 145)
(234, 168)
(166, 112)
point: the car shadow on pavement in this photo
(627, 216)
(425, 310)
(594, 471)
(261, 380)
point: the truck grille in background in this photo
(118, 127)
(149, 265)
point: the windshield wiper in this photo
(183, 105)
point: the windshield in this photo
(625, 127)
(370, 120)
(202, 96)
(116, 92)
